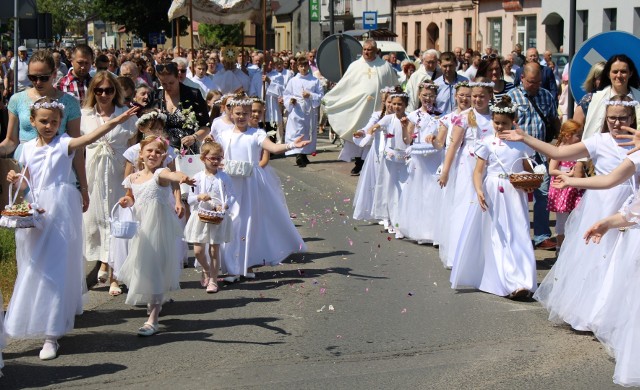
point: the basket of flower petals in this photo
(211, 211)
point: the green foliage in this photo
(67, 14)
(140, 17)
(8, 268)
(221, 34)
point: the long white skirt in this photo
(48, 291)
(616, 318)
(460, 198)
(151, 269)
(363, 207)
(495, 253)
(420, 200)
(261, 228)
(389, 184)
(572, 286)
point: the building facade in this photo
(292, 28)
(348, 14)
(503, 24)
(592, 17)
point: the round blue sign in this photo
(600, 48)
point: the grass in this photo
(8, 267)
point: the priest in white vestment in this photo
(351, 102)
(302, 98)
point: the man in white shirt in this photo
(428, 71)
(23, 70)
(182, 75)
(200, 77)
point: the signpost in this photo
(370, 20)
(600, 48)
(314, 10)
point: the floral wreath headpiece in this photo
(388, 90)
(631, 103)
(53, 104)
(256, 99)
(149, 116)
(503, 110)
(239, 102)
(400, 95)
(462, 84)
(429, 85)
(482, 84)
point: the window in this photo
(405, 34)
(495, 33)
(526, 31)
(467, 34)
(636, 21)
(418, 35)
(582, 27)
(610, 19)
(448, 31)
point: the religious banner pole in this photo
(191, 25)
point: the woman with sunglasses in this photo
(105, 167)
(41, 73)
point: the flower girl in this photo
(48, 290)
(150, 269)
(212, 187)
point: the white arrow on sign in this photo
(593, 57)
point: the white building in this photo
(593, 17)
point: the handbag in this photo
(189, 164)
(551, 127)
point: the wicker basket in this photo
(526, 181)
(208, 214)
(123, 228)
(14, 219)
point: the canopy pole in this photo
(191, 25)
(178, 34)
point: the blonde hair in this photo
(471, 116)
(210, 146)
(118, 96)
(163, 142)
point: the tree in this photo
(68, 14)
(140, 17)
(221, 34)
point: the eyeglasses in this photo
(621, 119)
(125, 74)
(182, 70)
(104, 91)
(215, 158)
(43, 78)
(169, 67)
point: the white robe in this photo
(351, 102)
(303, 115)
(275, 89)
(228, 81)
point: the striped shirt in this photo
(528, 118)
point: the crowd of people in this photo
(438, 147)
(449, 161)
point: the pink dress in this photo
(566, 199)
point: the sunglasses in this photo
(169, 67)
(490, 56)
(43, 78)
(104, 91)
(182, 70)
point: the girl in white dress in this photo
(393, 172)
(213, 186)
(421, 195)
(223, 122)
(444, 140)
(261, 227)
(150, 124)
(48, 290)
(494, 253)
(105, 168)
(570, 289)
(469, 128)
(374, 146)
(150, 269)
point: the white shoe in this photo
(250, 275)
(399, 235)
(231, 279)
(49, 350)
(391, 230)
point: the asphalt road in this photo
(361, 310)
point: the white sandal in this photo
(148, 329)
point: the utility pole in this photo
(332, 29)
(572, 50)
(16, 34)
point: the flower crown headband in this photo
(257, 100)
(401, 95)
(482, 84)
(49, 105)
(388, 90)
(503, 110)
(631, 103)
(429, 85)
(239, 102)
(462, 84)
(149, 116)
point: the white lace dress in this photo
(151, 269)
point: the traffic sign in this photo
(600, 48)
(370, 20)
